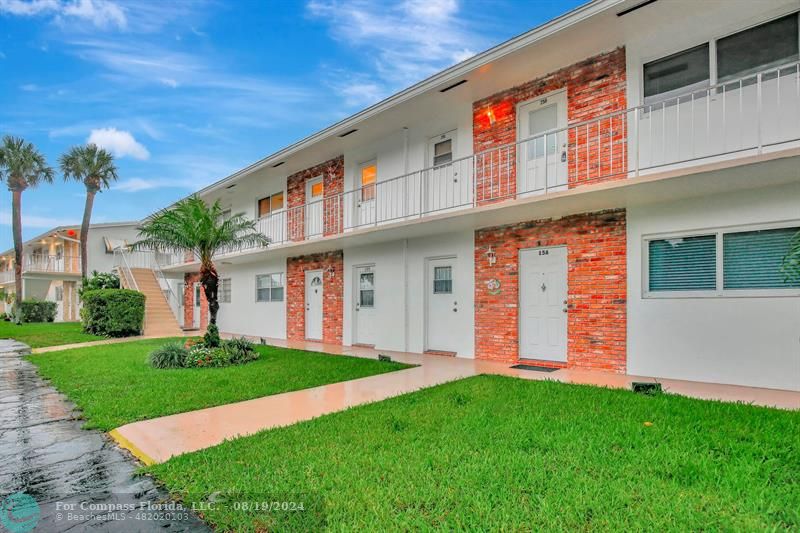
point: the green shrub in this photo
(211, 338)
(171, 355)
(37, 311)
(113, 312)
(239, 351)
(99, 280)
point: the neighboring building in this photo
(51, 264)
(613, 190)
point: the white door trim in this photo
(315, 210)
(428, 284)
(306, 304)
(357, 295)
(562, 122)
(521, 291)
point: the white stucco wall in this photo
(721, 339)
(243, 315)
(400, 289)
(99, 259)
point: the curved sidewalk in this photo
(156, 440)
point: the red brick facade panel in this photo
(596, 151)
(332, 172)
(596, 287)
(189, 279)
(332, 265)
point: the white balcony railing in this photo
(737, 117)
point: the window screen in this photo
(443, 280)
(772, 44)
(683, 264)
(754, 259)
(225, 290)
(684, 70)
(366, 289)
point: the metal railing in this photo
(735, 117)
(151, 261)
(124, 269)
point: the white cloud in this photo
(121, 143)
(407, 42)
(169, 82)
(100, 13)
(29, 87)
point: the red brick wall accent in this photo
(596, 152)
(332, 295)
(596, 287)
(189, 279)
(332, 173)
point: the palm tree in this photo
(191, 225)
(23, 167)
(94, 167)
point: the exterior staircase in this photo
(159, 320)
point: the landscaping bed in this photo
(499, 453)
(114, 384)
(41, 334)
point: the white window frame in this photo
(222, 290)
(712, 59)
(282, 209)
(281, 276)
(719, 292)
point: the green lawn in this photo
(114, 385)
(38, 335)
(499, 453)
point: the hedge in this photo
(37, 311)
(113, 312)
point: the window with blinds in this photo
(683, 264)
(225, 290)
(754, 259)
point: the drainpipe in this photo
(405, 295)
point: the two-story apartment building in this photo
(613, 190)
(51, 264)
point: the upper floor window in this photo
(270, 204)
(767, 45)
(369, 175)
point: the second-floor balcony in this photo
(737, 118)
(44, 264)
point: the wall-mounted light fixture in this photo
(331, 272)
(490, 116)
(491, 256)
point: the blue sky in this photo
(186, 92)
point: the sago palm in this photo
(23, 167)
(193, 226)
(94, 167)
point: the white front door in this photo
(442, 306)
(543, 303)
(543, 158)
(315, 191)
(180, 303)
(314, 304)
(365, 305)
(196, 315)
(448, 182)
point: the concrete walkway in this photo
(157, 440)
(46, 454)
(60, 347)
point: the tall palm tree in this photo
(193, 226)
(94, 167)
(23, 167)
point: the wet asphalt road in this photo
(45, 454)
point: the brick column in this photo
(332, 266)
(189, 279)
